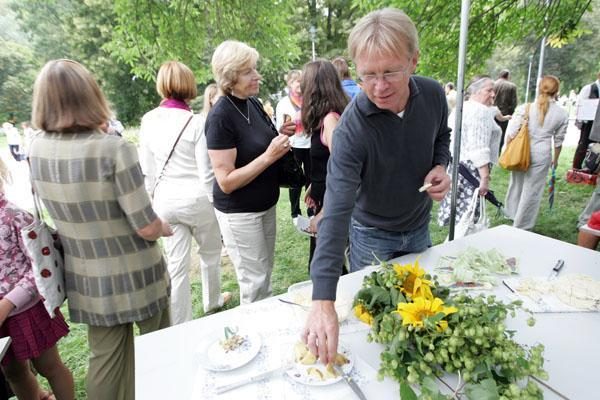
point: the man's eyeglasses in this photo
(390, 77)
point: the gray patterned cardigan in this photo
(93, 187)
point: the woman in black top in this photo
(324, 102)
(243, 148)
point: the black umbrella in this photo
(472, 179)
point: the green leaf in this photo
(430, 388)
(523, 363)
(419, 343)
(394, 295)
(379, 295)
(484, 390)
(401, 298)
(364, 295)
(436, 318)
(482, 369)
(406, 392)
(428, 384)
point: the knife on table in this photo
(556, 270)
(248, 380)
(353, 385)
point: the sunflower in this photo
(413, 283)
(363, 314)
(421, 308)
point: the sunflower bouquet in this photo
(428, 332)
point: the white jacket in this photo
(480, 135)
(189, 173)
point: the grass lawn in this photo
(291, 253)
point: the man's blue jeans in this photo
(369, 244)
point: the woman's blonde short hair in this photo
(176, 81)
(385, 31)
(211, 94)
(66, 98)
(228, 61)
(292, 76)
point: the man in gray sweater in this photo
(391, 141)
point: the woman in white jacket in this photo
(182, 188)
(547, 124)
(480, 142)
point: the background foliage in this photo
(123, 42)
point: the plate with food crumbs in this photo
(308, 370)
(229, 348)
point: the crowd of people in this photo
(375, 154)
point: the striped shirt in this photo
(92, 185)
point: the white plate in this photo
(214, 358)
(301, 293)
(299, 372)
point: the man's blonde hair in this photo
(176, 81)
(385, 31)
(66, 98)
(228, 61)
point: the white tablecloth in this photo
(168, 366)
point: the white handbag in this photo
(46, 253)
(467, 224)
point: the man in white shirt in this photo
(590, 91)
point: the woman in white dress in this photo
(547, 128)
(183, 190)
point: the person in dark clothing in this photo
(391, 140)
(325, 102)
(244, 148)
(348, 84)
(590, 91)
(506, 100)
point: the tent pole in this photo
(460, 83)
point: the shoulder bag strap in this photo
(526, 115)
(170, 154)
(36, 200)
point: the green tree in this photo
(17, 74)
(491, 23)
(17, 68)
(333, 20)
(149, 33)
(575, 63)
(81, 30)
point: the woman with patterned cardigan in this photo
(92, 186)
